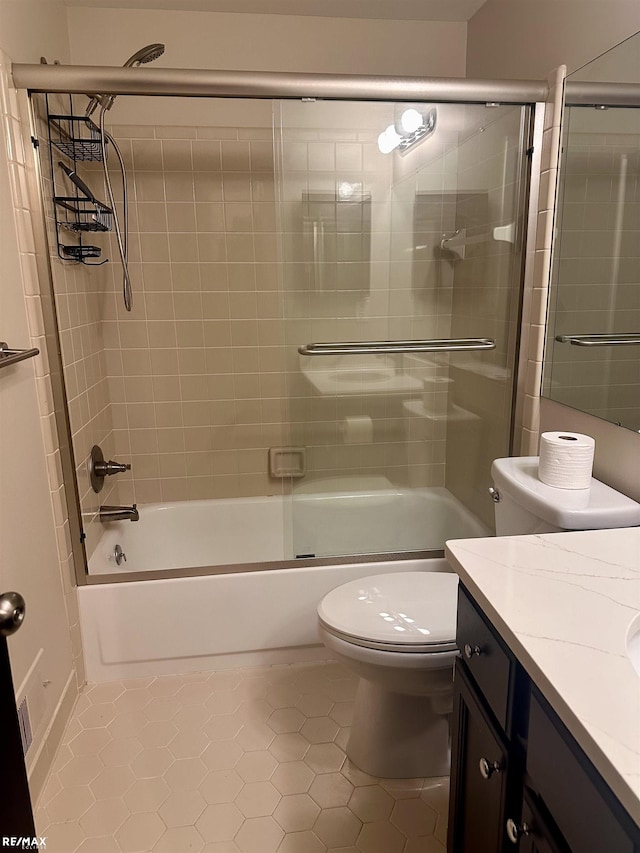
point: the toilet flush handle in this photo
(496, 497)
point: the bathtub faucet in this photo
(119, 513)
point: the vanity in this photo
(546, 722)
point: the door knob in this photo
(12, 610)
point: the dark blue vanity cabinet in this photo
(519, 780)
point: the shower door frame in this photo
(87, 80)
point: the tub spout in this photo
(119, 513)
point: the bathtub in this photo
(191, 534)
(225, 618)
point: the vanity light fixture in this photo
(412, 128)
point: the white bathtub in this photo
(266, 529)
(231, 619)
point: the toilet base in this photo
(396, 736)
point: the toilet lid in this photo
(407, 609)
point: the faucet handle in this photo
(99, 469)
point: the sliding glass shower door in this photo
(401, 237)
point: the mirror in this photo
(592, 356)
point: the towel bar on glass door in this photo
(377, 347)
(11, 356)
(610, 340)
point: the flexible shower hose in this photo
(121, 238)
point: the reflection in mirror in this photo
(592, 360)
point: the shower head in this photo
(146, 54)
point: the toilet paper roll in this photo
(357, 430)
(566, 460)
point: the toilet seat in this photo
(402, 612)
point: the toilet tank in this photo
(527, 505)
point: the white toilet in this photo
(397, 631)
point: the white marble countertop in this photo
(563, 603)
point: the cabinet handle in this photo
(488, 768)
(515, 832)
(470, 651)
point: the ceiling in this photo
(398, 10)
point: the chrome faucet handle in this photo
(99, 468)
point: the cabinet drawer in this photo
(582, 806)
(487, 659)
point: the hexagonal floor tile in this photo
(112, 782)
(314, 704)
(104, 817)
(293, 777)
(330, 790)
(337, 827)
(219, 822)
(89, 741)
(98, 716)
(289, 747)
(189, 744)
(305, 842)
(185, 839)
(324, 757)
(320, 730)
(146, 795)
(380, 837)
(286, 720)
(152, 762)
(222, 755)
(70, 804)
(221, 786)
(256, 766)
(140, 832)
(414, 817)
(257, 799)
(371, 803)
(157, 733)
(296, 812)
(185, 774)
(259, 835)
(182, 808)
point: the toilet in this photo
(397, 631)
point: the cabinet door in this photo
(538, 836)
(478, 775)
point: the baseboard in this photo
(41, 764)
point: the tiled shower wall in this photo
(80, 293)
(196, 383)
(596, 287)
(204, 374)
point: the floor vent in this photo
(25, 726)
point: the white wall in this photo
(231, 41)
(523, 39)
(29, 531)
(30, 29)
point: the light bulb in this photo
(411, 120)
(388, 140)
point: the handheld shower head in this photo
(146, 54)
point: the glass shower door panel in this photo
(395, 251)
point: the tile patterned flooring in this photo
(236, 761)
